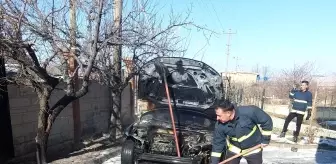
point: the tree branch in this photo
(85, 84)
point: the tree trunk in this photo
(116, 95)
(116, 99)
(41, 147)
(331, 101)
(42, 136)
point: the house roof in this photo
(240, 72)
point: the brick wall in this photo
(24, 109)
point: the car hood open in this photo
(191, 83)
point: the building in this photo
(241, 77)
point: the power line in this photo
(212, 11)
(220, 22)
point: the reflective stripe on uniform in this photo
(297, 111)
(236, 150)
(292, 94)
(246, 136)
(309, 107)
(266, 132)
(216, 154)
(300, 101)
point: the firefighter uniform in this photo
(301, 106)
(241, 133)
(302, 101)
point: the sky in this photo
(277, 34)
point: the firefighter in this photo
(301, 104)
(237, 129)
(296, 88)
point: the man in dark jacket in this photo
(237, 130)
(301, 103)
(296, 88)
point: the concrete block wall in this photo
(24, 109)
(127, 114)
(95, 109)
(322, 113)
(278, 123)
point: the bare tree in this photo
(36, 38)
(266, 71)
(255, 68)
(298, 73)
(143, 37)
(27, 26)
(287, 78)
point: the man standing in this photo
(237, 130)
(301, 103)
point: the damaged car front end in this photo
(194, 87)
(152, 137)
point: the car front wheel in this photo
(127, 153)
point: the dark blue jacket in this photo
(242, 132)
(302, 101)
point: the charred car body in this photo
(194, 87)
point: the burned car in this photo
(194, 87)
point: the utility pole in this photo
(73, 65)
(117, 58)
(227, 61)
(314, 110)
(236, 58)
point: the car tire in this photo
(127, 152)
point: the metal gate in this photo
(6, 139)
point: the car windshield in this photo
(182, 118)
